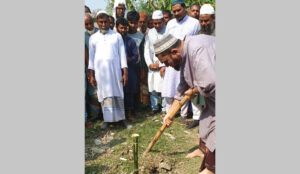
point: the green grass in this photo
(170, 151)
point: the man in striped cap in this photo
(195, 57)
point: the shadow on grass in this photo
(95, 169)
(176, 153)
(192, 149)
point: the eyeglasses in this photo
(123, 9)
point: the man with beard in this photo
(183, 25)
(143, 23)
(195, 57)
(132, 57)
(94, 106)
(107, 59)
(111, 22)
(150, 22)
(167, 16)
(194, 11)
(154, 79)
(207, 20)
(119, 9)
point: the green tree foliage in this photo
(148, 6)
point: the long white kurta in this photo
(186, 27)
(107, 56)
(155, 81)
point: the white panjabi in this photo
(207, 9)
(157, 14)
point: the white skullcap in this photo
(101, 11)
(207, 9)
(117, 2)
(157, 14)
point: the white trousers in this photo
(197, 109)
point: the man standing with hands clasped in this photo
(107, 70)
(155, 81)
(195, 57)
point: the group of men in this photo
(133, 59)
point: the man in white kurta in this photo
(107, 58)
(182, 25)
(155, 81)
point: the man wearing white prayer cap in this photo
(107, 70)
(119, 9)
(182, 25)
(207, 20)
(155, 81)
(195, 57)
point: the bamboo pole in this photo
(135, 152)
(163, 127)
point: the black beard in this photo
(177, 67)
(208, 29)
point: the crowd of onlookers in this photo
(138, 80)
(139, 61)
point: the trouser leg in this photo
(94, 108)
(209, 157)
(169, 102)
(154, 100)
(197, 109)
(163, 104)
(184, 109)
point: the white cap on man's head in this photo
(101, 11)
(157, 14)
(207, 9)
(117, 2)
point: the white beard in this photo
(91, 31)
(103, 31)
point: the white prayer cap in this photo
(117, 2)
(101, 11)
(207, 9)
(157, 14)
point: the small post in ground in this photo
(135, 152)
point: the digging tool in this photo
(163, 127)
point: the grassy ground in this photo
(116, 143)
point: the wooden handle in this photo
(163, 127)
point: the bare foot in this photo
(195, 153)
(206, 171)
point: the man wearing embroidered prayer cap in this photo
(154, 79)
(182, 25)
(195, 57)
(207, 20)
(107, 60)
(119, 9)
